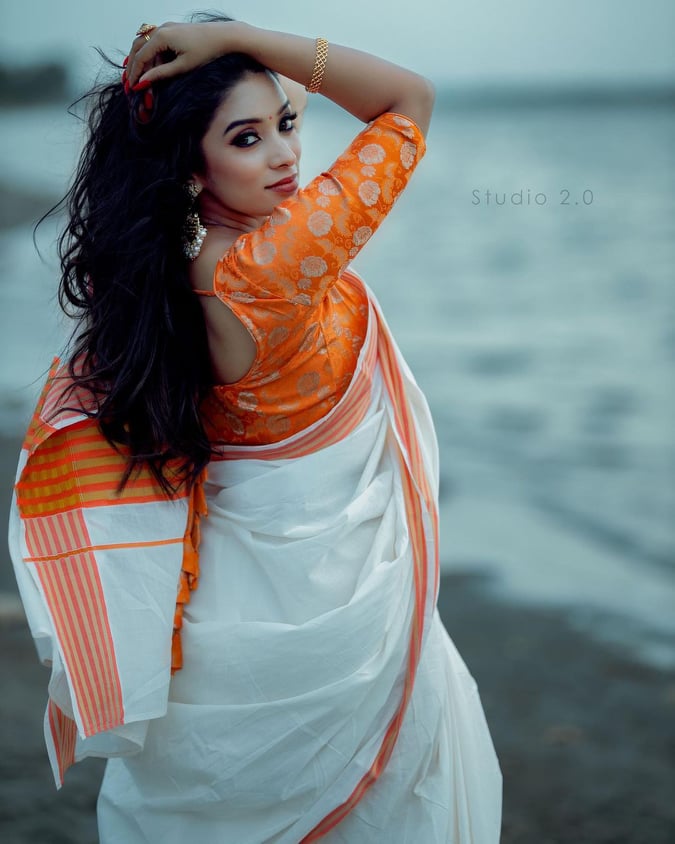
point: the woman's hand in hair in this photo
(175, 48)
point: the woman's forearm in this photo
(363, 84)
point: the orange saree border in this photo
(418, 497)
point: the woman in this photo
(236, 416)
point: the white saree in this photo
(297, 651)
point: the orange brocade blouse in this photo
(285, 282)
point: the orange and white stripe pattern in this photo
(61, 737)
(70, 470)
(72, 587)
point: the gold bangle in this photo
(319, 66)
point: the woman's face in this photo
(251, 152)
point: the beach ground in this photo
(585, 734)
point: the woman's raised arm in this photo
(362, 84)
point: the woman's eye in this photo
(246, 139)
(287, 122)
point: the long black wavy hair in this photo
(140, 346)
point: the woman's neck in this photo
(212, 214)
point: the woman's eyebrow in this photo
(248, 120)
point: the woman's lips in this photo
(288, 185)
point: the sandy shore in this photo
(585, 734)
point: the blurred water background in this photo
(528, 276)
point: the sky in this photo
(465, 41)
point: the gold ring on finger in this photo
(145, 29)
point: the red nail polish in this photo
(125, 62)
(142, 85)
(124, 76)
(148, 100)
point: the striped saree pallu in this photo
(98, 571)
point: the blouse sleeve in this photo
(310, 239)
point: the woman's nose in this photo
(283, 153)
